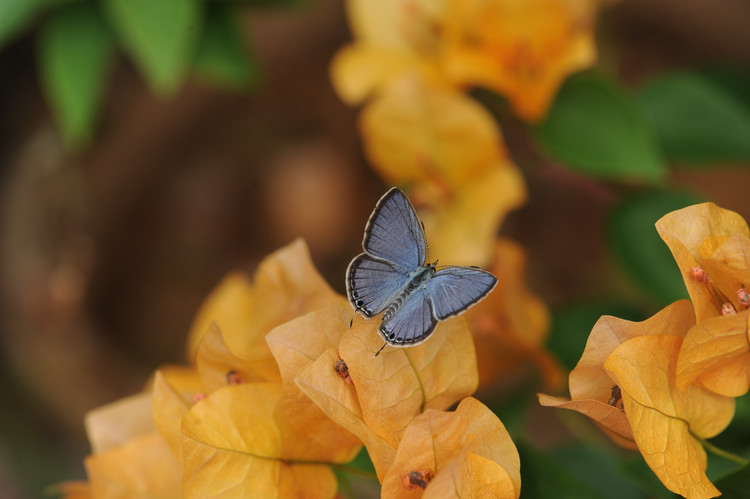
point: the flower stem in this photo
(721, 452)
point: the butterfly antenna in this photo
(381, 349)
(352, 320)
(426, 244)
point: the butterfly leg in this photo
(381, 349)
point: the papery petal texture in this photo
(696, 236)
(666, 420)
(233, 447)
(716, 354)
(522, 50)
(401, 383)
(463, 448)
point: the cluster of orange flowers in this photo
(522, 50)
(282, 389)
(410, 65)
(666, 384)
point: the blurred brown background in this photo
(107, 254)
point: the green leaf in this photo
(159, 35)
(736, 438)
(14, 16)
(638, 247)
(572, 324)
(636, 469)
(221, 57)
(596, 129)
(734, 80)
(546, 478)
(696, 120)
(74, 51)
(742, 413)
(735, 485)
(352, 483)
(599, 469)
(263, 3)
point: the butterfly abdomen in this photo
(417, 280)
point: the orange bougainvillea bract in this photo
(625, 381)
(522, 50)
(217, 428)
(712, 248)
(511, 325)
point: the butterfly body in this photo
(417, 280)
(393, 276)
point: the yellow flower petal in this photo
(214, 361)
(172, 399)
(693, 234)
(716, 352)
(229, 304)
(439, 441)
(401, 383)
(523, 50)
(338, 400)
(589, 379)
(232, 446)
(591, 386)
(611, 419)
(666, 420)
(308, 433)
(394, 40)
(470, 475)
(511, 325)
(286, 285)
(115, 424)
(419, 133)
(394, 23)
(360, 71)
(462, 228)
(729, 260)
(142, 467)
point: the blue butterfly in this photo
(391, 276)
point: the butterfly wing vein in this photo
(455, 289)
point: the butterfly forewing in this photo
(372, 284)
(412, 323)
(394, 233)
(454, 289)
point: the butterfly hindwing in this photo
(454, 289)
(371, 284)
(394, 233)
(412, 323)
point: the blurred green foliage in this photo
(75, 50)
(572, 323)
(160, 37)
(166, 40)
(597, 129)
(220, 56)
(638, 247)
(696, 120)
